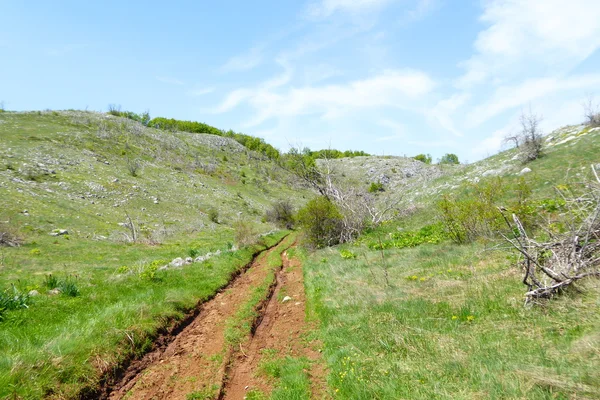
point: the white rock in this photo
(33, 293)
(286, 298)
(525, 170)
(189, 260)
(177, 263)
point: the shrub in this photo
(133, 166)
(449, 158)
(213, 215)
(281, 214)
(347, 254)
(426, 158)
(245, 234)
(12, 299)
(376, 187)
(321, 221)
(531, 137)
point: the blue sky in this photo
(386, 76)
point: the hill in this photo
(133, 239)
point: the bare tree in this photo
(358, 207)
(550, 266)
(514, 138)
(591, 111)
(531, 137)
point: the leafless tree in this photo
(513, 138)
(591, 111)
(531, 138)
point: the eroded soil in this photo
(199, 362)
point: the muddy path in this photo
(282, 331)
(198, 360)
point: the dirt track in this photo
(198, 360)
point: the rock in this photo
(489, 172)
(189, 260)
(155, 201)
(286, 298)
(525, 170)
(115, 180)
(177, 263)
(33, 293)
(59, 232)
(200, 259)
(54, 291)
(164, 267)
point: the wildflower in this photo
(454, 317)
(470, 318)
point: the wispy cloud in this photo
(325, 8)
(170, 80)
(391, 88)
(200, 91)
(244, 61)
(525, 37)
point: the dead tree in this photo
(551, 266)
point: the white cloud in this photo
(169, 80)
(245, 61)
(443, 112)
(391, 88)
(398, 131)
(525, 36)
(325, 8)
(200, 91)
(508, 97)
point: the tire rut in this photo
(195, 359)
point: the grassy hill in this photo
(92, 177)
(402, 312)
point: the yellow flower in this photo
(470, 318)
(454, 317)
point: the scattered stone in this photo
(54, 291)
(189, 260)
(155, 201)
(200, 259)
(106, 162)
(115, 180)
(33, 293)
(59, 232)
(286, 298)
(177, 263)
(525, 170)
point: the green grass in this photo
(450, 324)
(290, 376)
(60, 343)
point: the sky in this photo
(390, 77)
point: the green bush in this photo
(426, 158)
(213, 215)
(428, 234)
(12, 299)
(376, 187)
(322, 222)
(449, 158)
(475, 214)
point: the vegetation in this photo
(531, 139)
(281, 214)
(425, 158)
(449, 158)
(322, 222)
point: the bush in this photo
(475, 214)
(321, 221)
(12, 299)
(281, 214)
(213, 215)
(376, 187)
(133, 166)
(245, 234)
(531, 138)
(449, 158)
(426, 158)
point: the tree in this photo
(449, 158)
(532, 140)
(592, 112)
(321, 221)
(425, 158)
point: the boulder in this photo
(177, 263)
(525, 170)
(33, 293)
(286, 298)
(59, 232)
(189, 260)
